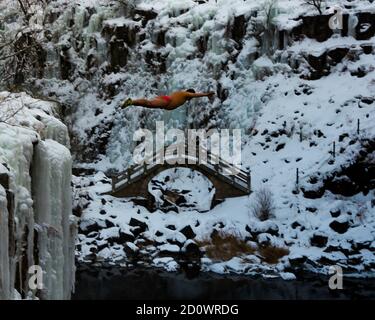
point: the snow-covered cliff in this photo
(36, 223)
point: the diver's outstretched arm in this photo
(201, 94)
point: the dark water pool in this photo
(142, 283)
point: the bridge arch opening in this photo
(185, 188)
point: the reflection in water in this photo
(119, 283)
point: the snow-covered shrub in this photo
(263, 207)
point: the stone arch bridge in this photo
(228, 180)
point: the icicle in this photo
(52, 203)
(5, 287)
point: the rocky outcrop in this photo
(318, 27)
(357, 177)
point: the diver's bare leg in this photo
(155, 103)
(141, 102)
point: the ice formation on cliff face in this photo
(33, 146)
(53, 205)
(5, 287)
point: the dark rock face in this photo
(124, 33)
(339, 227)
(366, 26)
(131, 252)
(238, 29)
(118, 52)
(313, 193)
(320, 66)
(51, 16)
(113, 239)
(188, 232)
(296, 262)
(109, 224)
(361, 244)
(125, 237)
(336, 248)
(66, 67)
(160, 37)
(93, 234)
(202, 44)
(338, 54)
(367, 49)
(367, 100)
(315, 27)
(268, 228)
(166, 253)
(175, 241)
(317, 62)
(89, 227)
(280, 146)
(158, 233)
(192, 251)
(156, 60)
(295, 225)
(146, 15)
(120, 39)
(139, 226)
(335, 213)
(319, 241)
(99, 146)
(358, 177)
(326, 261)
(264, 239)
(342, 185)
(222, 93)
(359, 73)
(353, 260)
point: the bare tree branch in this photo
(12, 113)
(269, 7)
(18, 52)
(22, 8)
(10, 42)
(317, 4)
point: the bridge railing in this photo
(216, 166)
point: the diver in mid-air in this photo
(171, 102)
